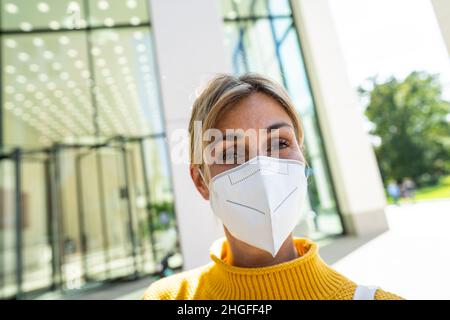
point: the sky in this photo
(390, 37)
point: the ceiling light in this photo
(103, 5)
(72, 53)
(9, 105)
(10, 69)
(109, 22)
(48, 55)
(9, 89)
(21, 79)
(26, 26)
(43, 7)
(43, 77)
(95, 51)
(138, 35)
(79, 64)
(56, 65)
(23, 56)
(11, 8)
(118, 49)
(135, 21)
(33, 67)
(63, 40)
(39, 95)
(51, 86)
(19, 97)
(54, 25)
(38, 42)
(140, 47)
(10, 43)
(101, 62)
(64, 75)
(131, 4)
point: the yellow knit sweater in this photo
(307, 277)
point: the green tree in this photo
(412, 121)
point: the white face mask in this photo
(260, 201)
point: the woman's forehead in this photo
(257, 111)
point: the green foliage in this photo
(158, 209)
(411, 119)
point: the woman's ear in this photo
(198, 181)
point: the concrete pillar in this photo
(189, 49)
(352, 161)
(442, 11)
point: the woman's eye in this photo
(283, 144)
(278, 145)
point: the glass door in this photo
(26, 247)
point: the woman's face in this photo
(273, 135)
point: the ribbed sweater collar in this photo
(306, 277)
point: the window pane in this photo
(110, 13)
(126, 91)
(46, 89)
(80, 99)
(29, 15)
(232, 9)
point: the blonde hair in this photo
(222, 92)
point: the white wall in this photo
(189, 50)
(442, 11)
(352, 160)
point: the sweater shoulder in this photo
(348, 290)
(385, 295)
(180, 286)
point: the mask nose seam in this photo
(238, 181)
(257, 170)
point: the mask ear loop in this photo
(203, 177)
(216, 218)
(308, 172)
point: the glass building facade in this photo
(86, 192)
(85, 185)
(261, 36)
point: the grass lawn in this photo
(439, 191)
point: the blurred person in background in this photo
(408, 189)
(393, 190)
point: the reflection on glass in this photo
(8, 247)
(36, 249)
(126, 91)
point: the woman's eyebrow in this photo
(278, 125)
(238, 135)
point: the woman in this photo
(256, 185)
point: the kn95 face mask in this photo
(260, 201)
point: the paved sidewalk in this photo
(412, 259)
